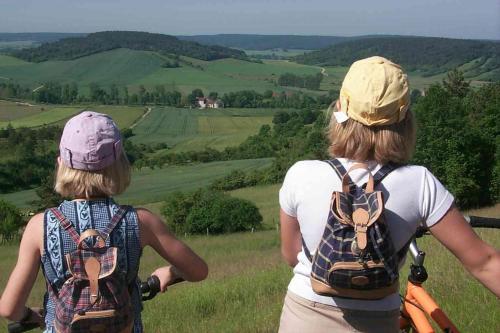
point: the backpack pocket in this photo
(355, 275)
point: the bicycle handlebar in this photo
(474, 221)
(483, 222)
(19, 327)
(151, 287)
(148, 289)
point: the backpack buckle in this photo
(360, 218)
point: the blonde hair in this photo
(110, 181)
(383, 144)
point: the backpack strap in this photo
(66, 224)
(306, 250)
(341, 171)
(115, 220)
(384, 171)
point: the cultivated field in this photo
(194, 129)
(23, 117)
(10, 111)
(31, 115)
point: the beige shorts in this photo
(303, 316)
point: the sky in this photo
(478, 19)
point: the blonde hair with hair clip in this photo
(110, 181)
(383, 144)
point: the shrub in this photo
(218, 212)
(10, 221)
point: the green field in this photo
(10, 111)
(28, 115)
(120, 66)
(248, 279)
(195, 129)
(123, 116)
(153, 185)
(46, 117)
(133, 68)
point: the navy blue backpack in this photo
(356, 257)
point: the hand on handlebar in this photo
(36, 316)
(168, 276)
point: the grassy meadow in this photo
(248, 280)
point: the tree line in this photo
(307, 81)
(69, 93)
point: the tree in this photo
(142, 95)
(10, 221)
(193, 96)
(125, 95)
(455, 83)
(114, 95)
(47, 197)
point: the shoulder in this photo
(33, 231)
(147, 218)
(36, 221)
(410, 170)
(307, 167)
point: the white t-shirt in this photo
(412, 196)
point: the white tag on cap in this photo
(340, 116)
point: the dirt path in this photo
(38, 88)
(140, 119)
(323, 71)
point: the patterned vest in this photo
(94, 214)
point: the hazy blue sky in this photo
(448, 18)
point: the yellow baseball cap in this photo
(374, 92)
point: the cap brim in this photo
(340, 116)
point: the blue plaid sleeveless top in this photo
(94, 214)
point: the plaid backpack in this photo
(95, 299)
(355, 257)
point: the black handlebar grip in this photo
(484, 222)
(151, 286)
(19, 327)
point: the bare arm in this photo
(479, 258)
(185, 263)
(291, 243)
(22, 278)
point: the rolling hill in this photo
(77, 47)
(429, 56)
(132, 68)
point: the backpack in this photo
(355, 257)
(95, 298)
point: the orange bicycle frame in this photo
(417, 304)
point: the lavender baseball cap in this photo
(90, 141)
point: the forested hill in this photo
(38, 37)
(427, 54)
(76, 47)
(267, 42)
